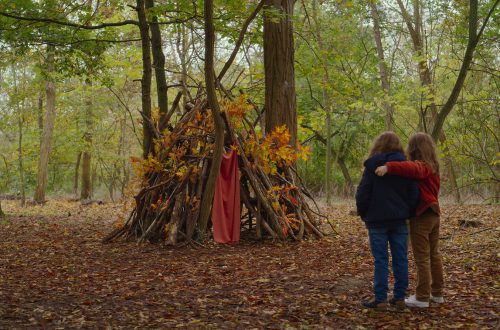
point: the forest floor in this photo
(55, 273)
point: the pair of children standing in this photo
(385, 202)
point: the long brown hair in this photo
(422, 147)
(386, 142)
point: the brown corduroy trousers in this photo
(424, 236)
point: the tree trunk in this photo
(40, 117)
(121, 152)
(428, 117)
(327, 106)
(158, 62)
(48, 128)
(280, 98)
(20, 160)
(86, 192)
(182, 48)
(147, 141)
(77, 171)
(347, 176)
(208, 194)
(474, 37)
(2, 214)
(384, 79)
(20, 120)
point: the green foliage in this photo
(336, 68)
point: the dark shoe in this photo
(376, 305)
(398, 304)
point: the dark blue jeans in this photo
(397, 237)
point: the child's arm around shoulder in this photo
(409, 169)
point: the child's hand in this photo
(381, 170)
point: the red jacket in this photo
(428, 182)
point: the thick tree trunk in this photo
(158, 62)
(86, 192)
(48, 128)
(384, 79)
(280, 98)
(147, 141)
(208, 194)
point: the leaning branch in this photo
(240, 40)
(468, 56)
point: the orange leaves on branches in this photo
(275, 150)
(236, 110)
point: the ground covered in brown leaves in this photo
(55, 273)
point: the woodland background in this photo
(70, 72)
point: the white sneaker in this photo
(437, 300)
(412, 301)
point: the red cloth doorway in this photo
(226, 207)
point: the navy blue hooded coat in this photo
(385, 201)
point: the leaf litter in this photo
(55, 273)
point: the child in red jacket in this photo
(424, 228)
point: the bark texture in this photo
(147, 140)
(158, 61)
(86, 192)
(48, 128)
(208, 194)
(280, 98)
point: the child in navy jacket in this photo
(385, 204)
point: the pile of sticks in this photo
(167, 206)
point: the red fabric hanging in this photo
(226, 207)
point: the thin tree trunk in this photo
(121, 153)
(182, 48)
(450, 168)
(208, 194)
(48, 129)
(40, 117)
(428, 117)
(474, 37)
(20, 160)
(347, 176)
(2, 214)
(146, 79)
(93, 180)
(77, 171)
(280, 98)
(158, 62)
(20, 121)
(86, 191)
(384, 80)
(327, 105)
